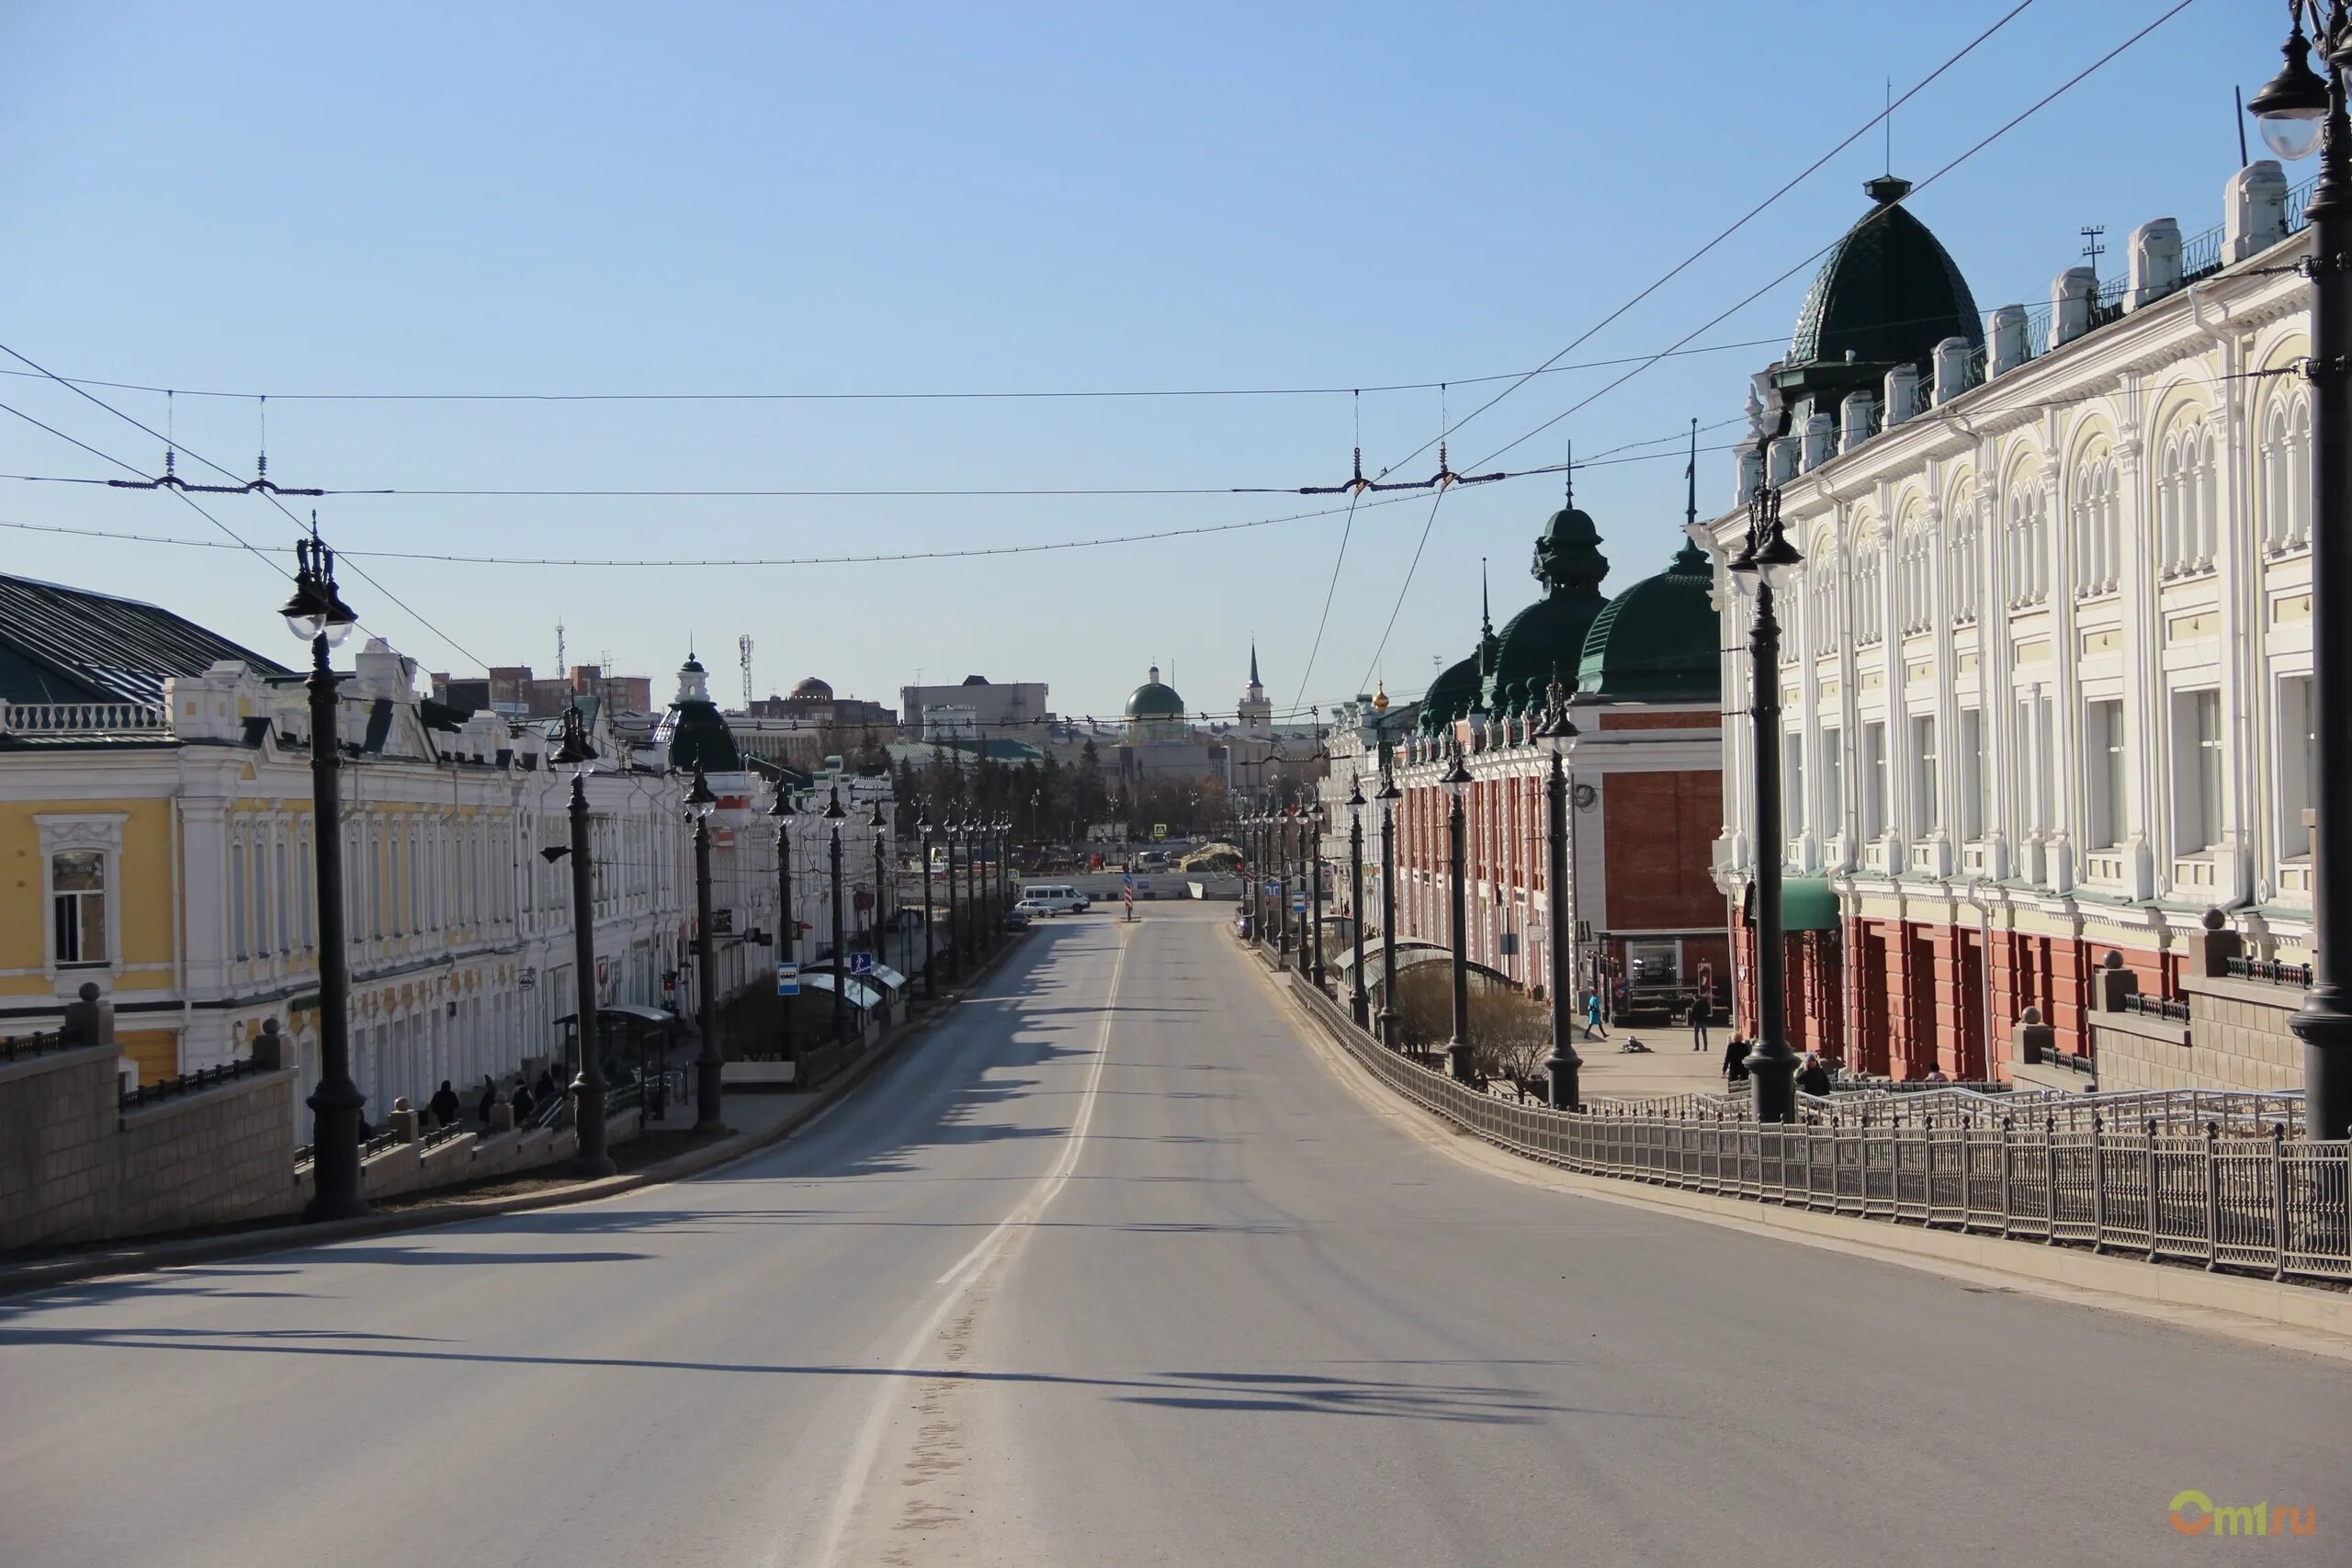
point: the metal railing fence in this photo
(2254, 1201)
(188, 1083)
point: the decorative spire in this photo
(1253, 661)
(1568, 475)
(1691, 478)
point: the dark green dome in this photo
(1152, 700)
(1656, 641)
(1548, 638)
(1887, 294)
(697, 735)
(1450, 695)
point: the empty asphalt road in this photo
(1113, 1270)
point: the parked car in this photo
(1016, 918)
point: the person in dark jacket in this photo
(489, 1100)
(1813, 1077)
(1702, 1014)
(1736, 1062)
(445, 1105)
(545, 1090)
(523, 1104)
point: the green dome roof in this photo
(1451, 694)
(1887, 294)
(698, 735)
(1656, 641)
(1152, 700)
(1548, 636)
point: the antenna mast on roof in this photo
(562, 665)
(743, 650)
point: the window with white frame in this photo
(2298, 769)
(238, 936)
(1961, 575)
(1873, 801)
(1822, 588)
(2104, 775)
(2196, 771)
(1968, 764)
(1869, 600)
(2098, 527)
(306, 889)
(2026, 540)
(1792, 782)
(1927, 813)
(2187, 493)
(78, 897)
(1917, 588)
(2286, 456)
(1833, 781)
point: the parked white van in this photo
(1054, 898)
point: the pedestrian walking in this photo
(523, 1104)
(1813, 1077)
(445, 1105)
(1736, 1062)
(1593, 1027)
(489, 1102)
(1702, 1014)
(545, 1090)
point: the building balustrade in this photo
(83, 719)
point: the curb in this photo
(137, 1259)
(2275, 1315)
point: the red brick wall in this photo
(1652, 718)
(1658, 831)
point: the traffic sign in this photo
(1158, 831)
(860, 963)
(787, 979)
(1298, 903)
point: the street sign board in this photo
(787, 979)
(1298, 903)
(1158, 831)
(860, 963)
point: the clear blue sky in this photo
(866, 199)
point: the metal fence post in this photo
(2049, 1178)
(2149, 1164)
(2278, 1198)
(2005, 1178)
(2212, 1196)
(2099, 1185)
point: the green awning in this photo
(1807, 904)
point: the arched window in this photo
(2286, 455)
(2173, 551)
(1917, 592)
(2026, 540)
(2096, 528)
(1869, 600)
(2205, 490)
(1961, 580)
(2187, 496)
(1822, 606)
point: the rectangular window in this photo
(237, 900)
(1969, 760)
(1833, 781)
(2103, 781)
(2298, 774)
(2196, 770)
(77, 883)
(1792, 783)
(1873, 780)
(1926, 812)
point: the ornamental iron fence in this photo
(2139, 1178)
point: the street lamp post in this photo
(711, 1070)
(881, 875)
(787, 920)
(1281, 913)
(1457, 786)
(1388, 796)
(1314, 815)
(588, 1086)
(1763, 569)
(1561, 1068)
(929, 947)
(316, 614)
(1360, 1005)
(2300, 112)
(834, 818)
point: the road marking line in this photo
(857, 1479)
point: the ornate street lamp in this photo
(1314, 816)
(1360, 1005)
(1561, 1067)
(923, 868)
(2300, 111)
(787, 920)
(1457, 789)
(1283, 825)
(835, 818)
(1763, 569)
(1388, 796)
(881, 881)
(710, 1071)
(588, 1086)
(316, 614)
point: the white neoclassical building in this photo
(2045, 672)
